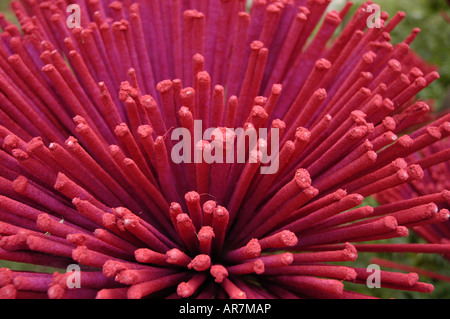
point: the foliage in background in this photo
(5, 10)
(432, 44)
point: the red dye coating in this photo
(140, 290)
(187, 289)
(220, 223)
(135, 276)
(145, 255)
(200, 263)
(177, 257)
(249, 251)
(205, 237)
(195, 210)
(256, 266)
(186, 230)
(219, 272)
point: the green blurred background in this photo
(432, 44)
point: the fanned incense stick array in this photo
(88, 177)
